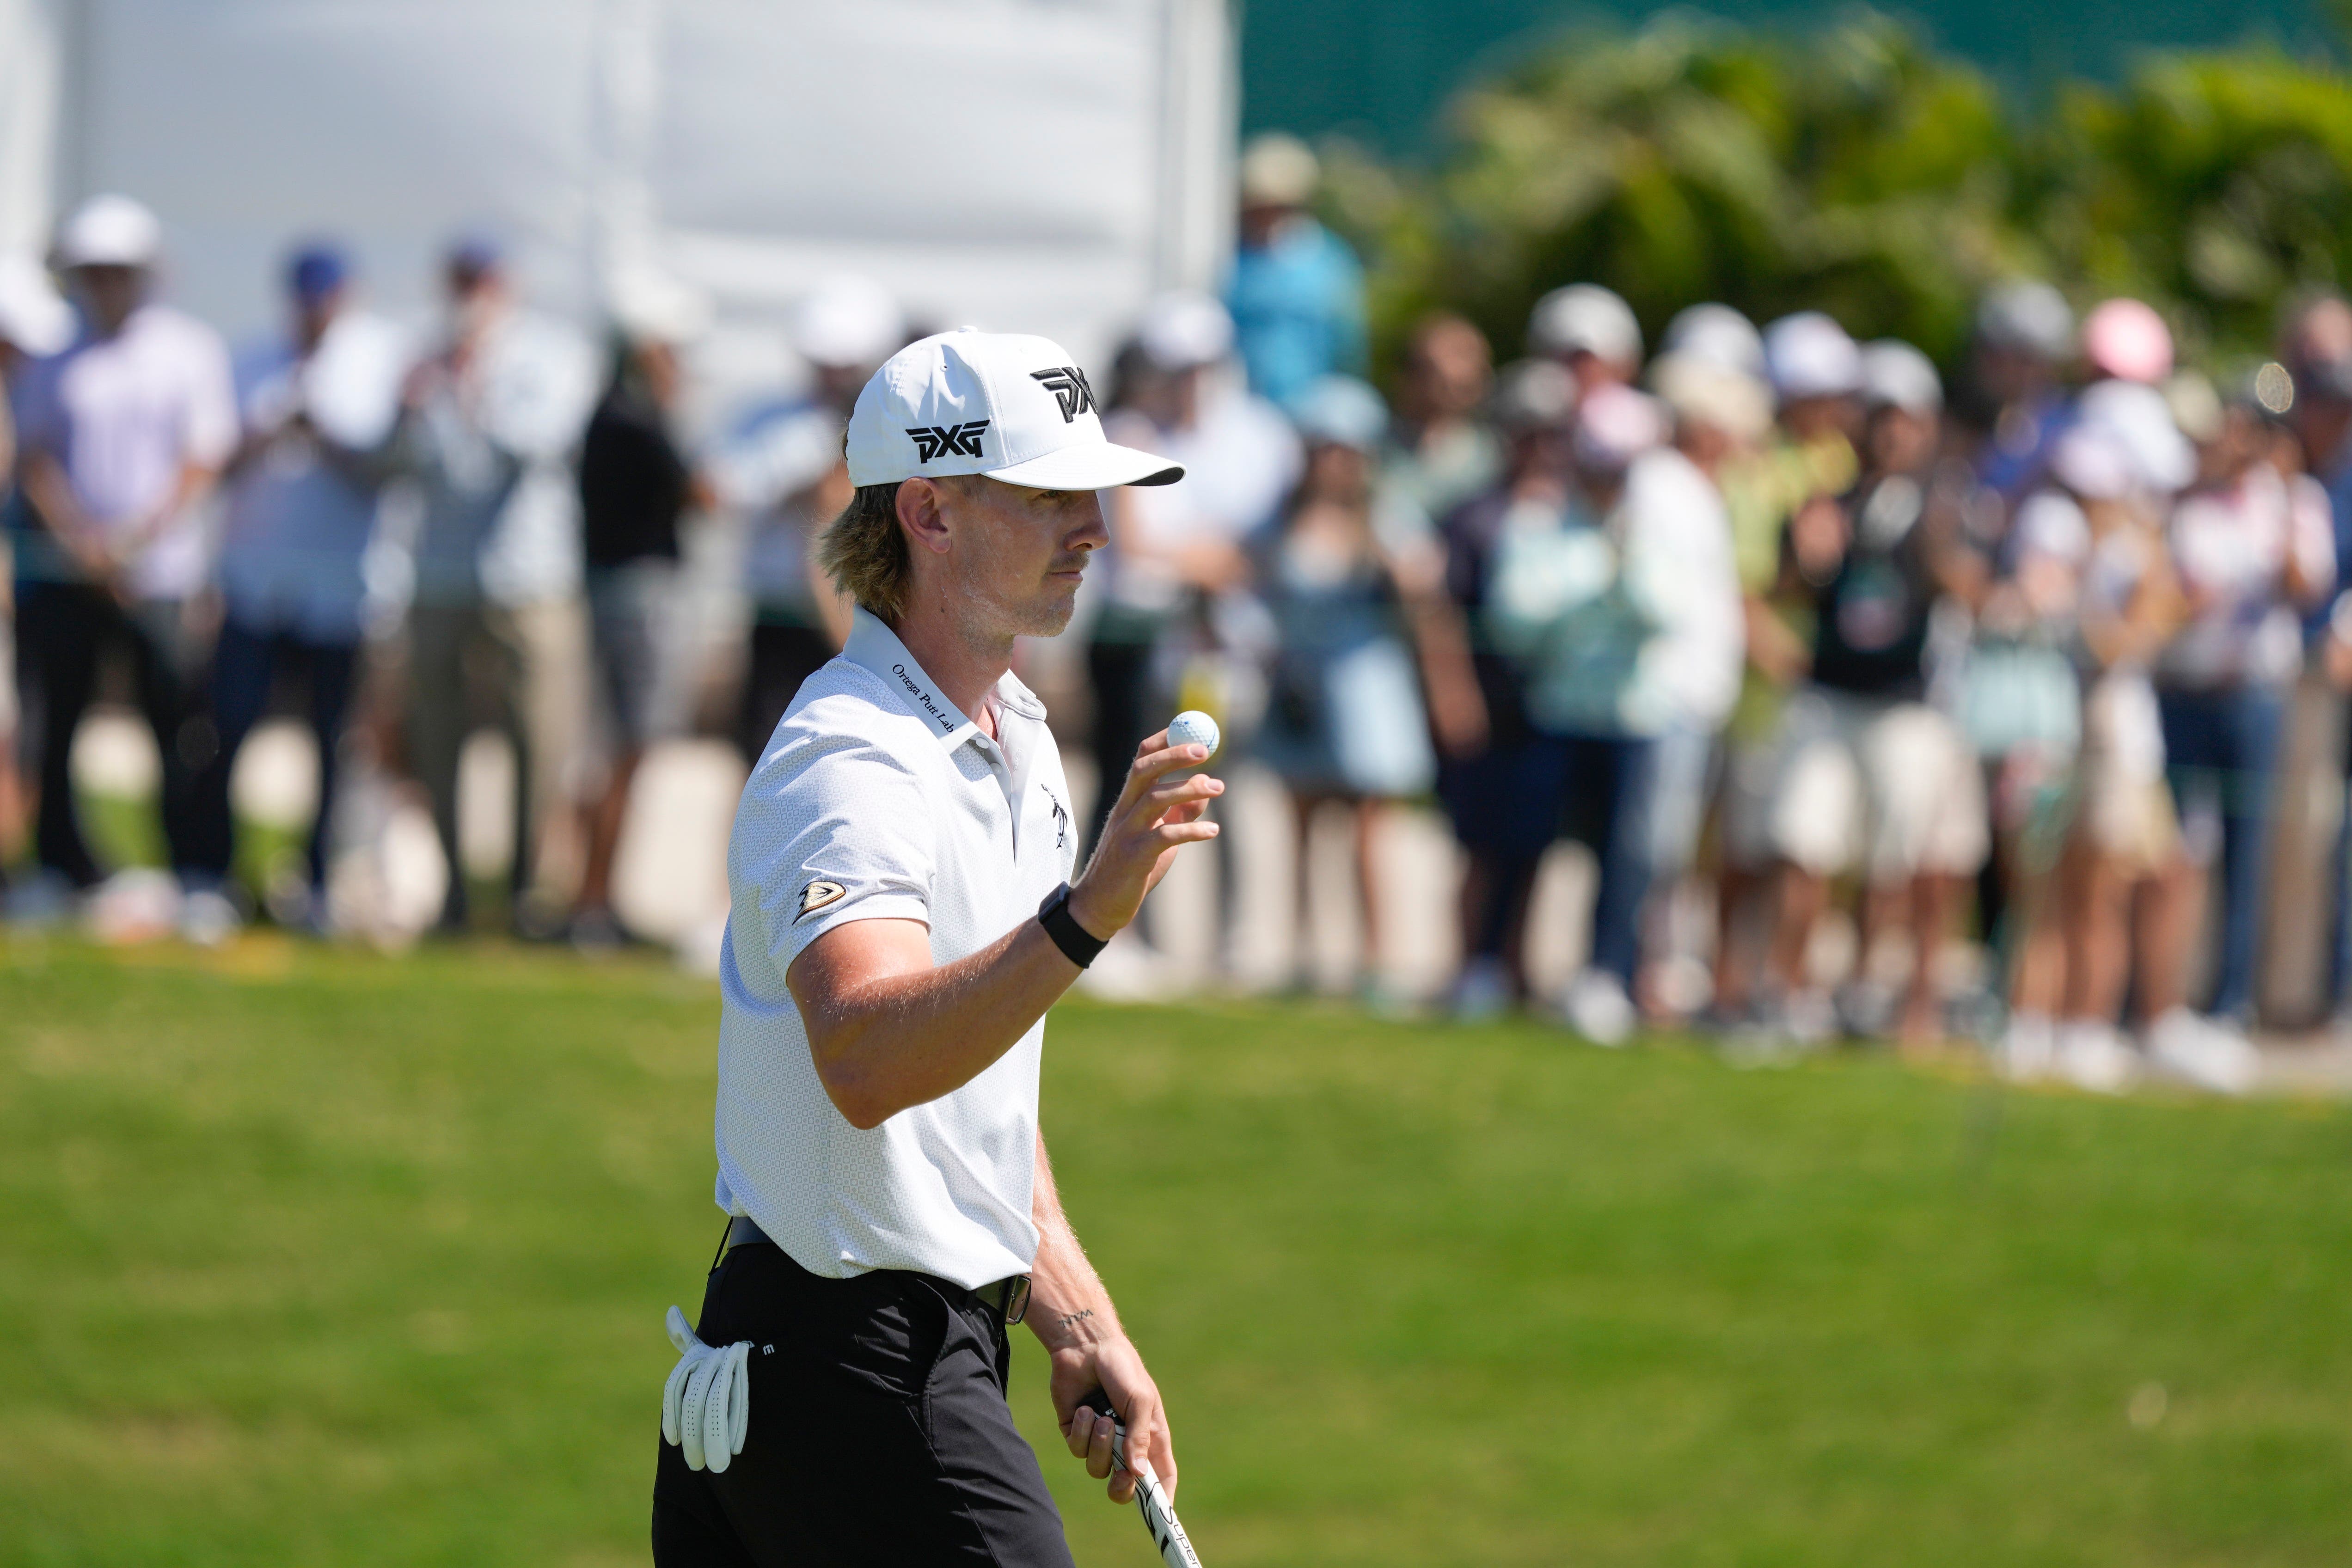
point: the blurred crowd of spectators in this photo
(1769, 618)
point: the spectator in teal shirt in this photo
(1297, 291)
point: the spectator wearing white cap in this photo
(1721, 416)
(1501, 790)
(1813, 371)
(1875, 778)
(35, 322)
(1296, 291)
(638, 487)
(1585, 606)
(1716, 334)
(1172, 600)
(1352, 572)
(2086, 571)
(124, 435)
(317, 402)
(2014, 404)
(779, 469)
(1590, 331)
(490, 428)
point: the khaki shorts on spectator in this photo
(1891, 787)
(2127, 818)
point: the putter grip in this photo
(1159, 1520)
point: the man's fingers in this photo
(1151, 765)
(1156, 741)
(1098, 1451)
(1184, 832)
(1199, 786)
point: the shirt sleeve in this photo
(39, 411)
(2312, 536)
(833, 829)
(210, 419)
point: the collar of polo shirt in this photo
(875, 646)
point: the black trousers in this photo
(879, 1434)
(246, 662)
(62, 631)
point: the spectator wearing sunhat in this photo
(1296, 291)
(317, 404)
(124, 435)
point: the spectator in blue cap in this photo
(316, 405)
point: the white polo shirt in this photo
(876, 799)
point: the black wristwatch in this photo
(1079, 945)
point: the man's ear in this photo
(920, 501)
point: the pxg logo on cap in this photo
(1006, 405)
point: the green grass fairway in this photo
(316, 1257)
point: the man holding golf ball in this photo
(905, 912)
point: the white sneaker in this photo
(138, 905)
(2202, 1052)
(1482, 990)
(2091, 1056)
(1597, 1007)
(2028, 1049)
(207, 917)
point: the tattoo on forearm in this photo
(1072, 1320)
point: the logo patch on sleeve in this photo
(817, 895)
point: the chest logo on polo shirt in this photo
(955, 440)
(1068, 385)
(817, 895)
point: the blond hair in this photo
(865, 553)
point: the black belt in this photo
(1007, 1297)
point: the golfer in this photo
(905, 912)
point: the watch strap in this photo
(1078, 945)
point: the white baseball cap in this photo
(1810, 355)
(111, 231)
(847, 319)
(1585, 318)
(32, 315)
(1014, 407)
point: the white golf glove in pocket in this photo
(706, 1404)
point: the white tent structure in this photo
(1038, 164)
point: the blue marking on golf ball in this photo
(1194, 727)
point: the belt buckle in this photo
(1014, 1303)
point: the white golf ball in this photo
(1194, 727)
